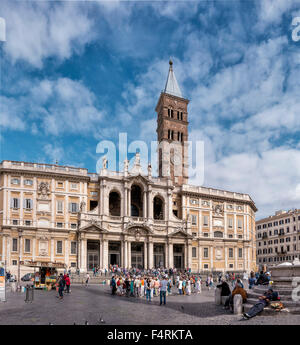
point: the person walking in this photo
(68, 283)
(163, 289)
(148, 289)
(87, 280)
(61, 286)
(180, 286)
(113, 285)
(251, 280)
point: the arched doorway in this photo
(136, 201)
(158, 208)
(114, 204)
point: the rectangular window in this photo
(73, 225)
(59, 247)
(205, 252)
(94, 193)
(230, 223)
(194, 219)
(60, 185)
(15, 222)
(27, 222)
(240, 252)
(230, 252)
(27, 245)
(205, 220)
(27, 204)
(15, 203)
(73, 207)
(205, 266)
(60, 206)
(240, 223)
(15, 181)
(194, 252)
(14, 262)
(73, 264)
(74, 185)
(15, 245)
(28, 182)
(73, 247)
(59, 225)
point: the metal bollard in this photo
(27, 293)
(32, 293)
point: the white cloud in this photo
(38, 30)
(55, 153)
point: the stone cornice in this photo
(219, 198)
(44, 174)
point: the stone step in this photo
(266, 311)
(281, 293)
(286, 303)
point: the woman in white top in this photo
(198, 285)
(188, 287)
(180, 286)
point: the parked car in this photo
(27, 277)
(12, 278)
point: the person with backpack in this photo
(68, 283)
(113, 285)
(148, 289)
(61, 286)
(263, 302)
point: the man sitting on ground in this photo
(264, 301)
(238, 290)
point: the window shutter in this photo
(12, 203)
(70, 207)
(18, 203)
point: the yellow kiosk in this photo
(45, 273)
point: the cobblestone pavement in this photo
(95, 302)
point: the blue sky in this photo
(75, 73)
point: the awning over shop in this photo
(42, 264)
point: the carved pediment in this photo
(93, 227)
(180, 233)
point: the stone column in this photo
(33, 249)
(145, 255)
(52, 250)
(199, 257)
(5, 195)
(83, 267)
(226, 258)
(67, 252)
(210, 224)
(145, 204)
(225, 223)
(52, 207)
(235, 257)
(129, 254)
(129, 203)
(125, 202)
(150, 263)
(189, 254)
(171, 261)
(150, 205)
(105, 253)
(166, 252)
(101, 254)
(22, 202)
(234, 225)
(185, 255)
(125, 254)
(122, 254)
(8, 239)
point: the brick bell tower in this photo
(172, 132)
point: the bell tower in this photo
(172, 131)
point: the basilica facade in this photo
(60, 216)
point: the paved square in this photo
(92, 303)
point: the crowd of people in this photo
(160, 282)
(63, 284)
